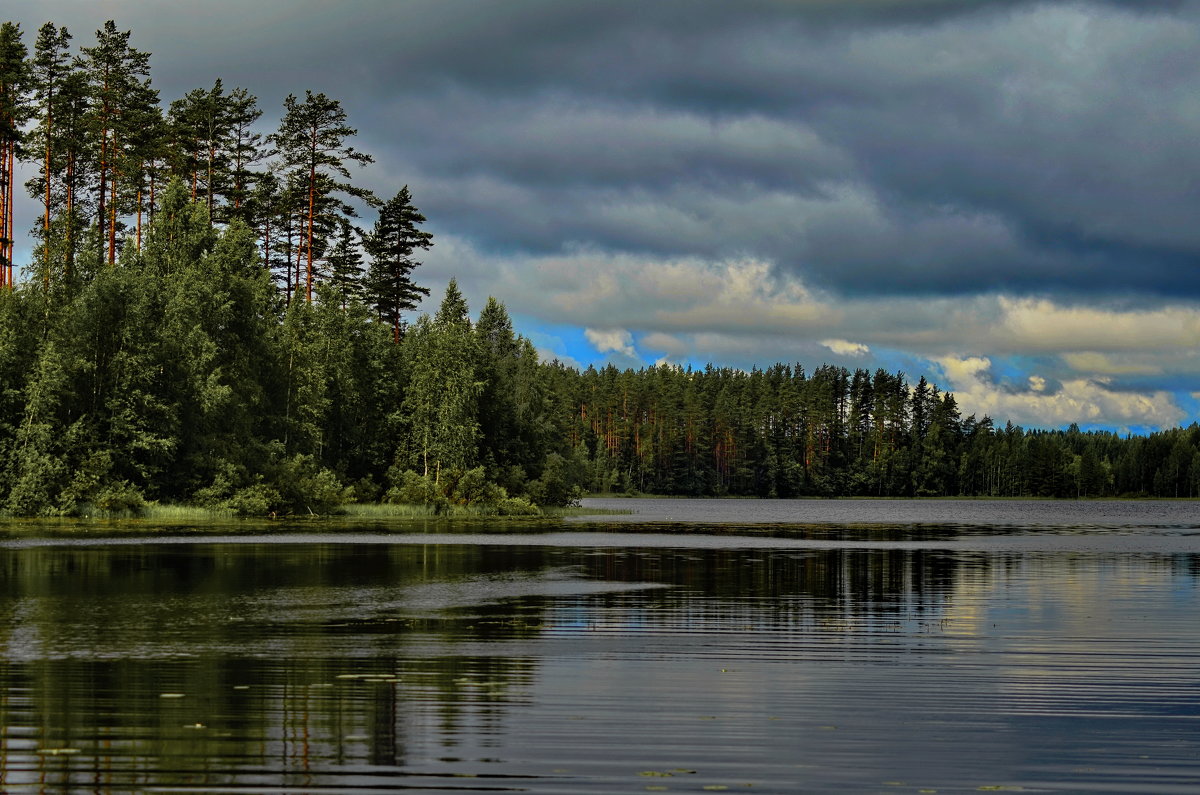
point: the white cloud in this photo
(846, 348)
(1080, 400)
(611, 341)
(1040, 324)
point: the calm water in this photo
(695, 646)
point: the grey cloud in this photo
(923, 146)
(1030, 147)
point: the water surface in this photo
(931, 652)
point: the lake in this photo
(690, 646)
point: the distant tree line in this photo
(782, 432)
(203, 323)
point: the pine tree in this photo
(245, 148)
(121, 93)
(14, 110)
(390, 288)
(72, 139)
(312, 143)
(201, 127)
(50, 66)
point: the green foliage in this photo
(306, 487)
(121, 498)
(441, 399)
(556, 486)
(516, 506)
(256, 500)
(456, 487)
(396, 237)
(470, 487)
(410, 488)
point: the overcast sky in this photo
(1002, 196)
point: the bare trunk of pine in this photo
(150, 210)
(12, 172)
(299, 259)
(267, 242)
(68, 265)
(46, 216)
(5, 262)
(101, 218)
(312, 197)
(112, 225)
(211, 154)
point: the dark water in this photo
(904, 654)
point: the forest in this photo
(204, 322)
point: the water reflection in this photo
(483, 666)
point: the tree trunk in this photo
(299, 259)
(312, 198)
(68, 265)
(150, 212)
(12, 172)
(267, 242)
(211, 154)
(101, 216)
(112, 226)
(5, 180)
(46, 216)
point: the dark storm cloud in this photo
(915, 146)
(1017, 146)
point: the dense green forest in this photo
(204, 322)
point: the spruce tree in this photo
(441, 402)
(396, 237)
(345, 263)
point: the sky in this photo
(1002, 196)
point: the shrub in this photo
(554, 486)
(365, 490)
(471, 488)
(257, 500)
(305, 488)
(516, 506)
(122, 498)
(409, 488)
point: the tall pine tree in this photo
(311, 140)
(14, 78)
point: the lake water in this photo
(693, 646)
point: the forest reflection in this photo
(270, 664)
